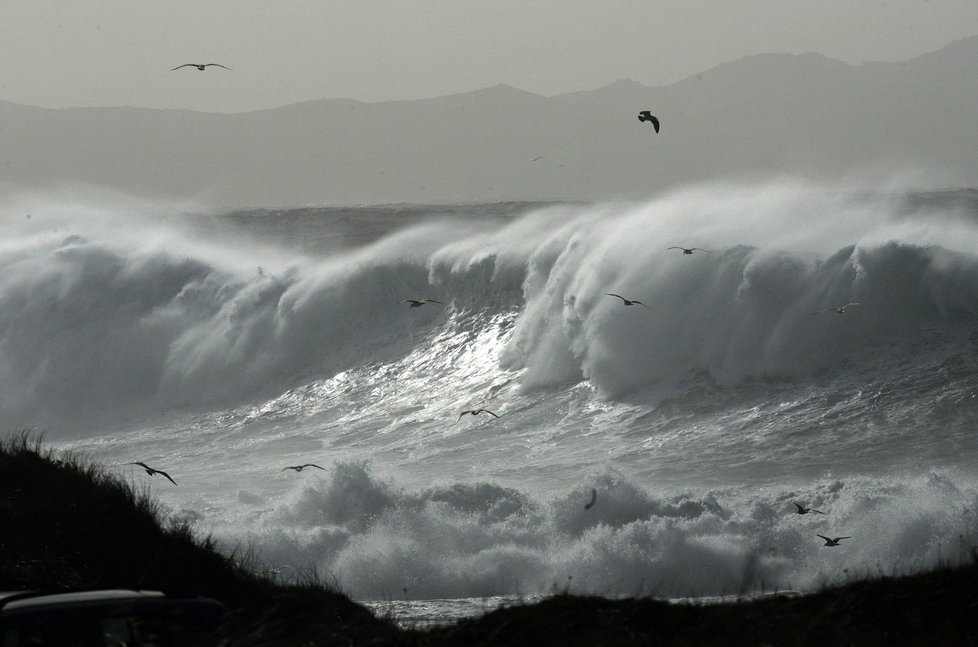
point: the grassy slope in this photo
(64, 523)
(937, 608)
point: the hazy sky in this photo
(119, 52)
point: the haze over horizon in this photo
(119, 54)
(762, 117)
(481, 101)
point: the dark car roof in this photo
(190, 619)
(13, 600)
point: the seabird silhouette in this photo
(839, 309)
(152, 472)
(690, 250)
(299, 468)
(628, 302)
(200, 66)
(476, 412)
(594, 497)
(417, 303)
(832, 542)
(645, 115)
(803, 510)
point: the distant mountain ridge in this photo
(763, 115)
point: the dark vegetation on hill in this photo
(68, 523)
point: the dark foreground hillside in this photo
(65, 523)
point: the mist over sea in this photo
(223, 347)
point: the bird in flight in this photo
(476, 412)
(594, 497)
(299, 468)
(690, 250)
(839, 309)
(645, 115)
(803, 510)
(417, 303)
(200, 66)
(151, 471)
(832, 542)
(628, 302)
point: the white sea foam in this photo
(479, 540)
(222, 349)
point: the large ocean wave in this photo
(111, 316)
(224, 347)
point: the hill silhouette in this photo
(766, 114)
(69, 524)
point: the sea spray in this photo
(218, 348)
(481, 539)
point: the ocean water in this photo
(223, 347)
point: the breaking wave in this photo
(105, 321)
(378, 539)
(235, 344)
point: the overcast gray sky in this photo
(119, 52)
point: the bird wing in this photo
(841, 538)
(287, 468)
(490, 413)
(616, 295)
(824, 537)
(818, 511)
(462, 414)
(142, 465)
(218, 65)
(642, 304)
(675, 247)
(184, 65)
(700, 249)
(799, 506)
(594, 497)
(314, 465)
(167, 476)
(655, 123)
(433, 301)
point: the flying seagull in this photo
(476, 412)
(690, 250)
(832, 542)
(151, 471)
(299, 468)
(839, 309)
(200, 66)
(645, 115)
(803, 510)
(594, 497)
(417, 303)
(628, 302)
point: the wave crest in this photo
(123, 318)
